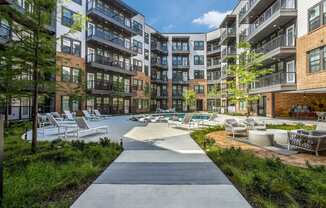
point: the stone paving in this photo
(161, 167)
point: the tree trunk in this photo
(35, 87)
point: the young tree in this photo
(189, 96)
(246, 70)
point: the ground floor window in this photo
(69, 103)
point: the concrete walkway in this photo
(161, 167)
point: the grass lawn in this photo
(56, 174)
(268, 183)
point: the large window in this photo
(138, 28)
(314, 60)
(199, 74)
(199, 45)
(67, 17)
(199, 89)
(70, 75)
(146, 38)
(198, 60)
(138, 46)
(317, 16)
(71, 46)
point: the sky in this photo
(183, 15)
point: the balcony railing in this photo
(276, 7)
(213, 49)
(275, 79)
(229, 51)
(159, 47)
(108, 36)
(159, 94)
(163, 79)
(108, 61)
(177, 94)
(159, 62)
(116, 87)
(275, 43)
(179, 79)
(228, 32)
(109, 13)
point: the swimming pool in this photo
(195, 117)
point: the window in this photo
(65, 76)
(67, 17)
(199, 89)
(76, 76)
(199, 60)
(314, 17)
(78, 1)
(146, 70)
(146, 38)
(71, 46)
(199, 74)
(314, 60)
(138, 46)
(146, 54)
(199, 45)
(138, 28)
(65, 103)
(138, 65)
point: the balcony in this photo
(180, 80)
(177, 95)
(4, 34)
(276, 82)
(159, 64)
(181, 66)
(109, 39)
(214, 65)
(109, 64)
(213, 50)
(103, 87)
(277, 15)
(228, 35)
(181, 50)
(158, 80)
(229, 52)
(277, 48)
(159, 49)
(158, 95)
(107, 15)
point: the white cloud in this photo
(212, 19)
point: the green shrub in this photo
(268, 182)
(55, 175)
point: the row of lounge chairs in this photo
(235, 127)
(71, 124)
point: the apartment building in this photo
(119, 64)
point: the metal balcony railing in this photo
(277, 6)
(275, 79)
(228, 32)
(229, 51)
(155, 46)
(109, 36)
(106, 11)
(108, 61)
(277, 42)
(118, 87)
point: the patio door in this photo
(262, 106)
(290, 36)
(290, 72)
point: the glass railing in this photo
(228, 32)
(277, 42)
(229, 51)
(109, 13)
(108, 36)
(158, 62)
(159, 47)
(277, 6)
(108, 61)
(275, 79)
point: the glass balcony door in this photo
(290, 36)
(290, 69)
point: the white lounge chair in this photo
(212, 121)
(57, 116)
(233, 127)
(89, 116)
(83, 127)
(98, 114)
(252, 124)
(61, 124)
(187, 123)
(69, 115)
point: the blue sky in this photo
(183, 15)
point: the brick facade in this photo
(66, 88)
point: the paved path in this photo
(161, 167)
